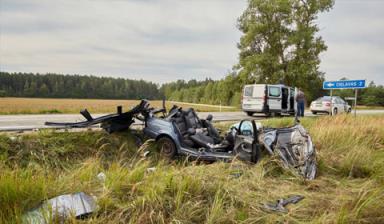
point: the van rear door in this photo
(253, 97)
(274, 97)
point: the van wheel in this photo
(249, 113)
(167, 147)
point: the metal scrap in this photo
(59, 208)
(279, 205)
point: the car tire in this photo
(334, 111)
(167, 147)
(349, 110)
(314, 112)
(249, 113)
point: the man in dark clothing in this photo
(300, 99)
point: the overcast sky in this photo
(165, 40)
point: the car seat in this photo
(196, 132)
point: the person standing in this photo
(300, 99)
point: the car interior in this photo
(198, 133)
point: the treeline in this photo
(75, 86)
(373, 95)
(226, 91)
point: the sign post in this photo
(330, 113)
(355, 101)
(345, 84)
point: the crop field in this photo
(12, 105)
(349, 187)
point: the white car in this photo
(323, 105)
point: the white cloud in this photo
(353, 31)
(155, 40)
(164, 40)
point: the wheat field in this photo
(13, 105)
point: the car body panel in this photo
(253, 98)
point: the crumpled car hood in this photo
(294, 146)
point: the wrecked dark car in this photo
(182, 132)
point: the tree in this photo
(75, 86)
(279, 44)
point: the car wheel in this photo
(334, 111)
(314, 112)
(249, 113)
(167, 147)
(349, 110)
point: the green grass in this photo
(348, 189)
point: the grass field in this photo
(12, 105)
(349, 187)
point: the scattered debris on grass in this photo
(101, 177)
(279, 205)
(59, 208)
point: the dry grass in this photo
(11, 105)
(363, 107)
(348, 189)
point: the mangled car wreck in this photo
(181, 132)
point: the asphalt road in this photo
(31, 122)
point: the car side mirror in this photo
(209, 117)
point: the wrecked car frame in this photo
(182, 132)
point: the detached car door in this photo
(246, 147)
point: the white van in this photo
(269, 99)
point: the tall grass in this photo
(349, 188)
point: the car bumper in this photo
(256, 108)
(319, 111)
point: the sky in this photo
(166, 40)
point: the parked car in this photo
(268, 99)
(323, 105)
